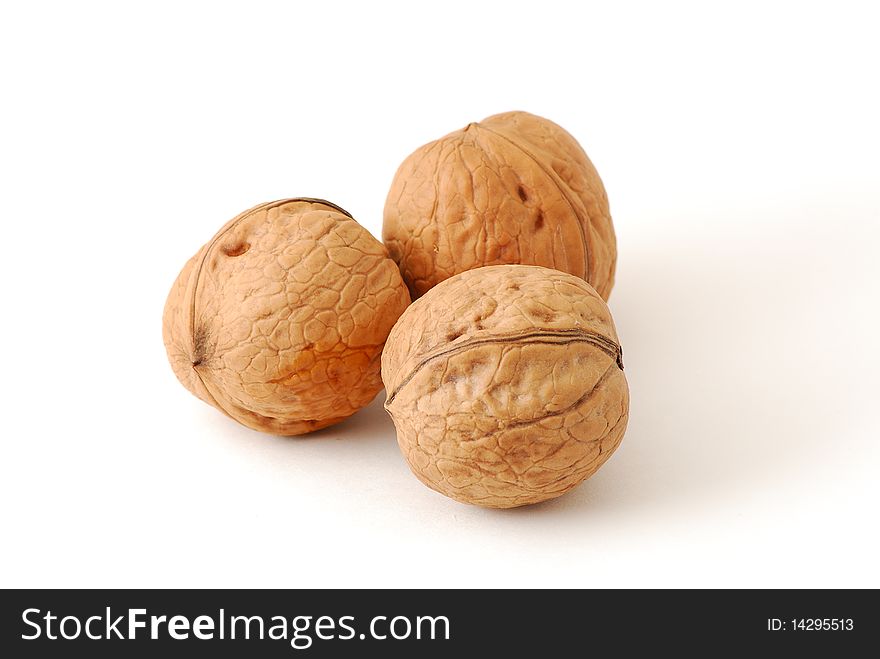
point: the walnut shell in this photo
(513, 188)
(506, 385)
(279, 321)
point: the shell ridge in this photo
(549, 337)
(559, 184)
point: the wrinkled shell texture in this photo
(506, 385)
(279, 321)
(512, 189)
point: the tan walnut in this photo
(506, 385)
(512, 189)
(279, 320)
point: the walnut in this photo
(279, 320)
(513, 188)
(506, 385)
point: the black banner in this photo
(319, 623)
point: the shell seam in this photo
(556, 180)
(548, 337)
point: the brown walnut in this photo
(506, 385)
(279, 320)
(514, 188)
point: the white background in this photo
(741, 153)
